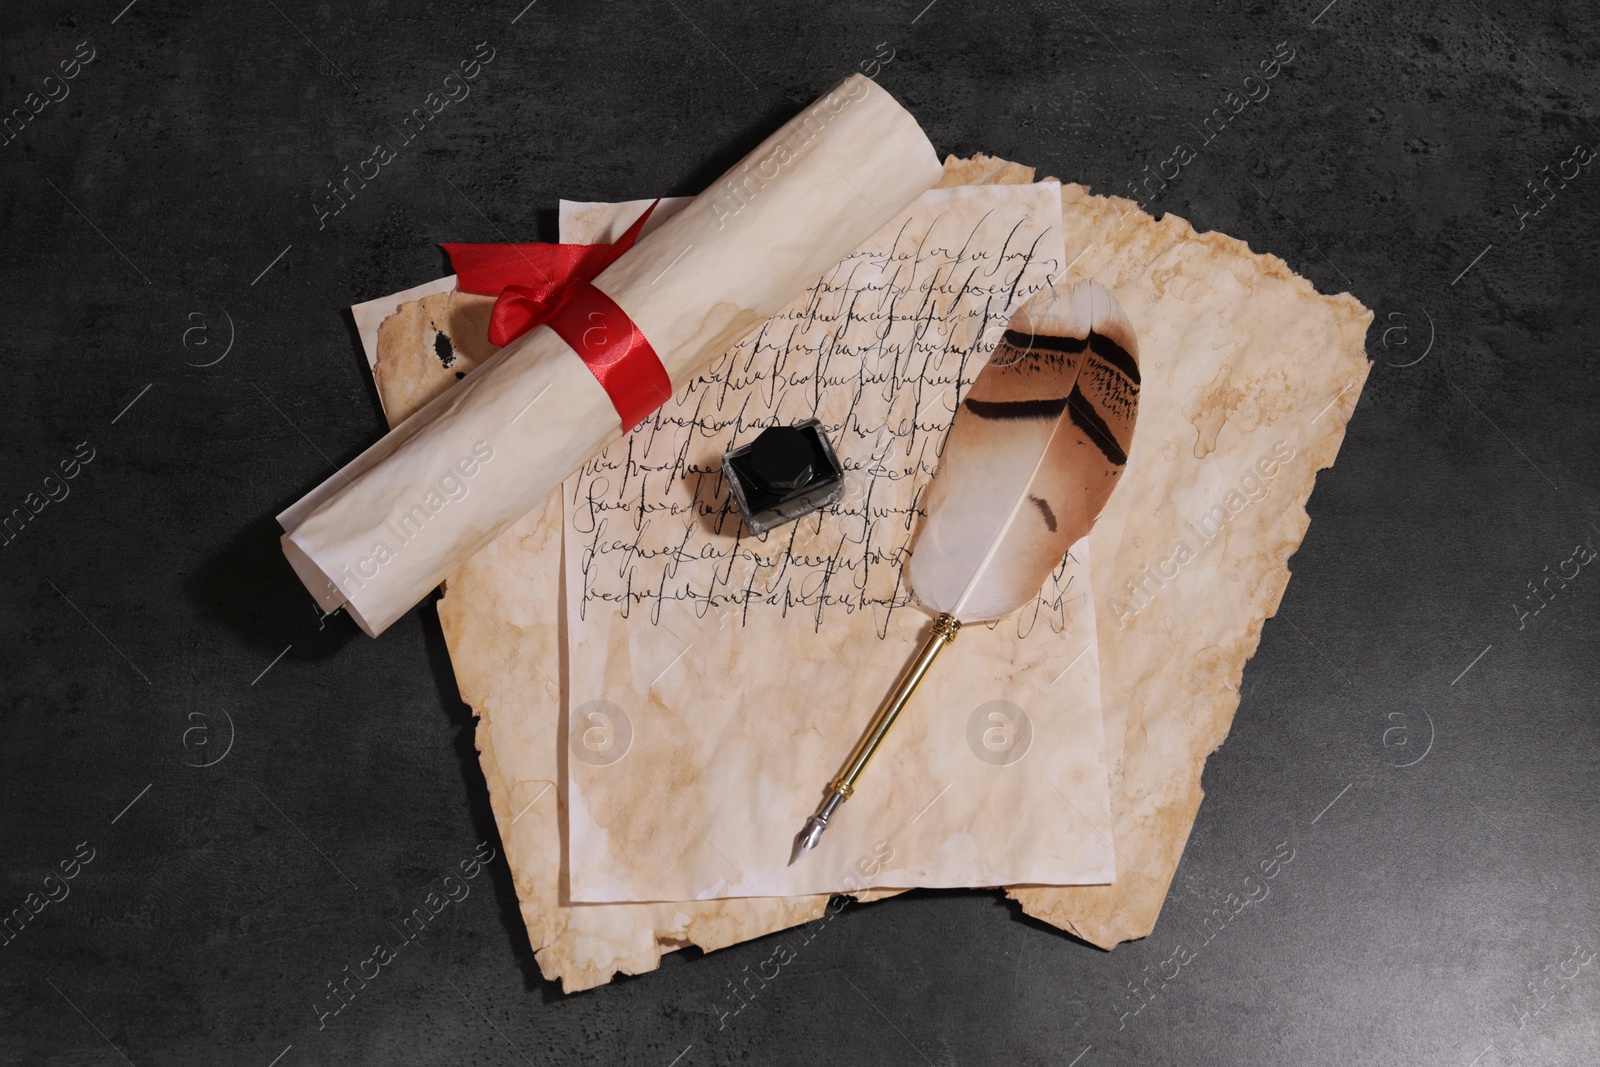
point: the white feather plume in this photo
(1036, 447)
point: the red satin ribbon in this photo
(540, 284)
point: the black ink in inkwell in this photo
(786, 472)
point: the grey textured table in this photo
(1415, 737)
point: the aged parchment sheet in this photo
(1250, 377)
(717, 679)
(1258, 353)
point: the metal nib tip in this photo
(811, 833)
(807, 838)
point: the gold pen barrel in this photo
(944, 631)
(839, 790)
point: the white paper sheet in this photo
(717, 680)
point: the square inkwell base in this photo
(786, 472)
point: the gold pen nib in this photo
(811, 833)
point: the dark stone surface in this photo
(1433, 914)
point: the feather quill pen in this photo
(1039, 442)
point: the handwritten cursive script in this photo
(880, 350)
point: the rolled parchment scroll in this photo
(396, 521)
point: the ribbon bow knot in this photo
(548, 284)
(522, 307)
